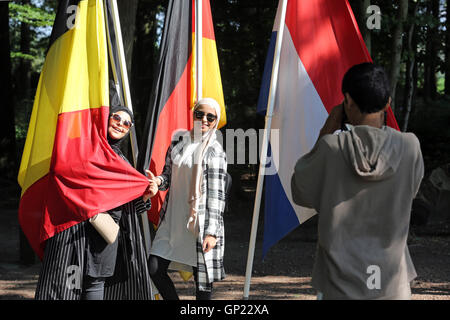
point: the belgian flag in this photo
(174, 91)
(68, 171)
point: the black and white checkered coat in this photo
(210, 264)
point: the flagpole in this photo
(127, 101)
(124, 74)
(198, 47)
(263, 157)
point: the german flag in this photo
(68, 171)
(174, 91)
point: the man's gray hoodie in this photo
(362, 183)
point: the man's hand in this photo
(334, 121)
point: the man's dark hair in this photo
(368, 85)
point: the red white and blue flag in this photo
(321, 41)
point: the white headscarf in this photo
(208, 139)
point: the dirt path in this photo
(284, 274)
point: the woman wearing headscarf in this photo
(80, 264)
(190, 235)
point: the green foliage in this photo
(31, 15)
(22, 118)
(440, 83)
(21, 55)
(29, 30)
(38, 21)
(243, 30)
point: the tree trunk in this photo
(359, 8)
(8, 157)
(432, 50)
(366, 33)
(397, 46)
(436, 42)
(447, 50)
(409, 86)
(127, 14)
(23, 84)
(145, 53)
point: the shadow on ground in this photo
(285, 273)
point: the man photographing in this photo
(362, 183)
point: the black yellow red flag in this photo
(174, 91)
(68, 171)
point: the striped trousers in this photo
(63, 266)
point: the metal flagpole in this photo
(198, 47)
(124, 74)
(263, 157)
(127, 101)
(111, 54)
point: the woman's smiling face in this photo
(205, 116)
(118, 126)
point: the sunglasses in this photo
(200, 114)
(125, 123)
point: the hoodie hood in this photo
(374, 153)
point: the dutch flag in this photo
(321, 41)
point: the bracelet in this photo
(148, 204)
